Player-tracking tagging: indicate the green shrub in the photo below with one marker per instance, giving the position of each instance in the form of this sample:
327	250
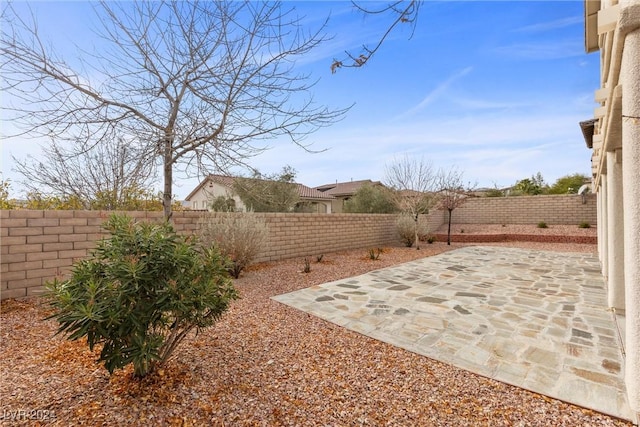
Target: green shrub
584	225
238	236
139	294
431	239
542	224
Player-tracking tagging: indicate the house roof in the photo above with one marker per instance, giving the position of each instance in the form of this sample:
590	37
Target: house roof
345	188
305	193
311	193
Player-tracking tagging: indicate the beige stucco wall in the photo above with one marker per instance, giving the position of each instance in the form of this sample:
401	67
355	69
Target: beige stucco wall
205	195
615	162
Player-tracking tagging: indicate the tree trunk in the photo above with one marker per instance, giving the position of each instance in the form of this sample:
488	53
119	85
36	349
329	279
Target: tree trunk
449	228
168	177
416	237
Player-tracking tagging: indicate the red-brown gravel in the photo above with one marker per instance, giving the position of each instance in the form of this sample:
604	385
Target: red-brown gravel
266	364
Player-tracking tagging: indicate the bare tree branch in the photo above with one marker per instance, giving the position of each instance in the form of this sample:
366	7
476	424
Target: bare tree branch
414	183
203	83
402	12
108	173
452	193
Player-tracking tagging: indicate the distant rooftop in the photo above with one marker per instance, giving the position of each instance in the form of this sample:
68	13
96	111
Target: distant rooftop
345	188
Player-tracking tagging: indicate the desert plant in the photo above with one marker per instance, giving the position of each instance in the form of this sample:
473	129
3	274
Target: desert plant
319	258
307	266
405	225
139	294
238	236
584	225
374	254
431	239
542	224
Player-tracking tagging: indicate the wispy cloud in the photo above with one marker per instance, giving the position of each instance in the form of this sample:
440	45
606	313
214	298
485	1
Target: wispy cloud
550	25
486	104
437	92
547	50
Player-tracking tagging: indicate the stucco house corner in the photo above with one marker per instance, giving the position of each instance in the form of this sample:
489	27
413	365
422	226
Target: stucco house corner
214	186
612	28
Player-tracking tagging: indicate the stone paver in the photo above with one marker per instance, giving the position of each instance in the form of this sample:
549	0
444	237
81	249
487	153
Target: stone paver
532	319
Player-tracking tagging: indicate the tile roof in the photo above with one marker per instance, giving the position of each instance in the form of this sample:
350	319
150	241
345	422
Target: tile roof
304	192
345	188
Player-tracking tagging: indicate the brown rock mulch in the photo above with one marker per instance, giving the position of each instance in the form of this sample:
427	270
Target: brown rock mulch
263	364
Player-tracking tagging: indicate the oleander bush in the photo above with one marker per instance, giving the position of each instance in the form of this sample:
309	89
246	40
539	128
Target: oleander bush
139	294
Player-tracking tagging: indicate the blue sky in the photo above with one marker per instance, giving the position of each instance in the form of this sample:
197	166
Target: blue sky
495	89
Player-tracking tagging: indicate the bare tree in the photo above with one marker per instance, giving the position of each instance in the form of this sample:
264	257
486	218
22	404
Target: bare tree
203	83
401	12
452	193
413	182
108	175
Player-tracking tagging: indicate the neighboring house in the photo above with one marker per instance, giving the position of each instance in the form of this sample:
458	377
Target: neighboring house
343	191
222	185
613	28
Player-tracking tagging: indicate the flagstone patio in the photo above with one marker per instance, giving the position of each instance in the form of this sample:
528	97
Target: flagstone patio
533	319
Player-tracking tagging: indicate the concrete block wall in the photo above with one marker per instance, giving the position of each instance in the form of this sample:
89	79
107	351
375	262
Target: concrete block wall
301	235
552	209
38	246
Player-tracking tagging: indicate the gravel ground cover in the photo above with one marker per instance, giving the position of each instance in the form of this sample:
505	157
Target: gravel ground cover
265	364
551	230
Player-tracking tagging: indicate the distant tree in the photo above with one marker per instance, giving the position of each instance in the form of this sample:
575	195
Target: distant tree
531	186
39	201
568	184
199	83
133	200
269	193
5	202
223	204
494	192
371	199
400	12
413	183
452	195
113	175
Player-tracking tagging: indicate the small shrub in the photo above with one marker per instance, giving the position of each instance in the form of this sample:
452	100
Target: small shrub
462	231
504	225
542	224
139	294
319	258
307	266
406	227
374	254
584	225
238	236
431	239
